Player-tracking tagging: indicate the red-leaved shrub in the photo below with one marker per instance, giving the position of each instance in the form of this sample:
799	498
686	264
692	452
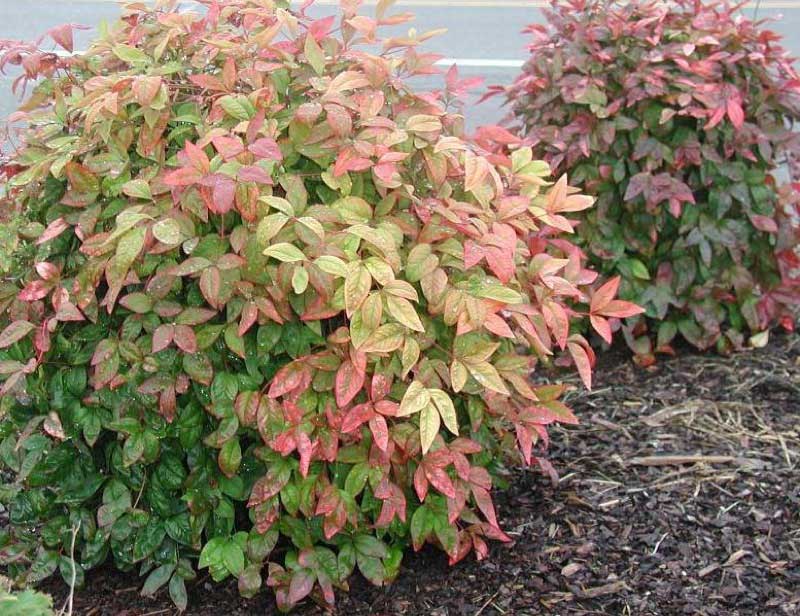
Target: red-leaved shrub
675	116
259	294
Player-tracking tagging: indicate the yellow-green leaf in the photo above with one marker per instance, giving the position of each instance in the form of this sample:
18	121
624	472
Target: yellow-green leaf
372	310
444	405
429	424
414	400
280	204
129	54
269	226
299	279
410	355
353	210
283	251
313	224
385	339
458	375
403	310
139	189
499	293
380	270
401	288
356	288
168	232
332	265
314	54
486	374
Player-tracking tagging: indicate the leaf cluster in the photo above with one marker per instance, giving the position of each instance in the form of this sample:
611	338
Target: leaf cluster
676	116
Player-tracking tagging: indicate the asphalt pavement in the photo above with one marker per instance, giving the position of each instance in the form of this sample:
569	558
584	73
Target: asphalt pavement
483	36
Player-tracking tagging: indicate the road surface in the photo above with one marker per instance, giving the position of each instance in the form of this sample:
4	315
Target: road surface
483	36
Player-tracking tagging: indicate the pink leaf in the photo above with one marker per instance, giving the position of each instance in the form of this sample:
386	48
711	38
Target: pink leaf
266	148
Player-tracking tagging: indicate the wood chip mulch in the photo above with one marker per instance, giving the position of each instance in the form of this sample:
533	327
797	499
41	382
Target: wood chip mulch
679	494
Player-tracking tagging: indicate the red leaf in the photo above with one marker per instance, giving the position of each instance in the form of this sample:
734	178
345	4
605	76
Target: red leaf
287	379
525	441
228	147
301	586
266	148
63	36
197	157
602	327
15	332
582	363
348	160
484	501
735	113
211	286
764	223
185	339
620	309
53	230
380	432
349	381
34	291
209	82
163	337
357	416
498	326
604	295
223	192
498	134
420	483
254	173
185	176
248	318
304	449
440	480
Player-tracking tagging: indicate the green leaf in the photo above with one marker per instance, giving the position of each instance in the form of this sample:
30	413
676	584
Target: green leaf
157	578
233	558
168	232
138	189
230	457
131	55
148	539
357	478
314	54
177	592
236	107
211	555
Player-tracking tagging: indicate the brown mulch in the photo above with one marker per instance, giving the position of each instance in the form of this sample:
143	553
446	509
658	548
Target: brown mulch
679	494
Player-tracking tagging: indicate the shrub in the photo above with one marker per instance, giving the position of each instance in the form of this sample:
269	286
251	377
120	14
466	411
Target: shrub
674	115
262	294
24	603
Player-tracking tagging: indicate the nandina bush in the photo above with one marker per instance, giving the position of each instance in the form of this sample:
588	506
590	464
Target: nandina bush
675	116
263	306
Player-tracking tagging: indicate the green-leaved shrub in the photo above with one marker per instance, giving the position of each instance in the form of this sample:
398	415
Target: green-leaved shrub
262	294
675	115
